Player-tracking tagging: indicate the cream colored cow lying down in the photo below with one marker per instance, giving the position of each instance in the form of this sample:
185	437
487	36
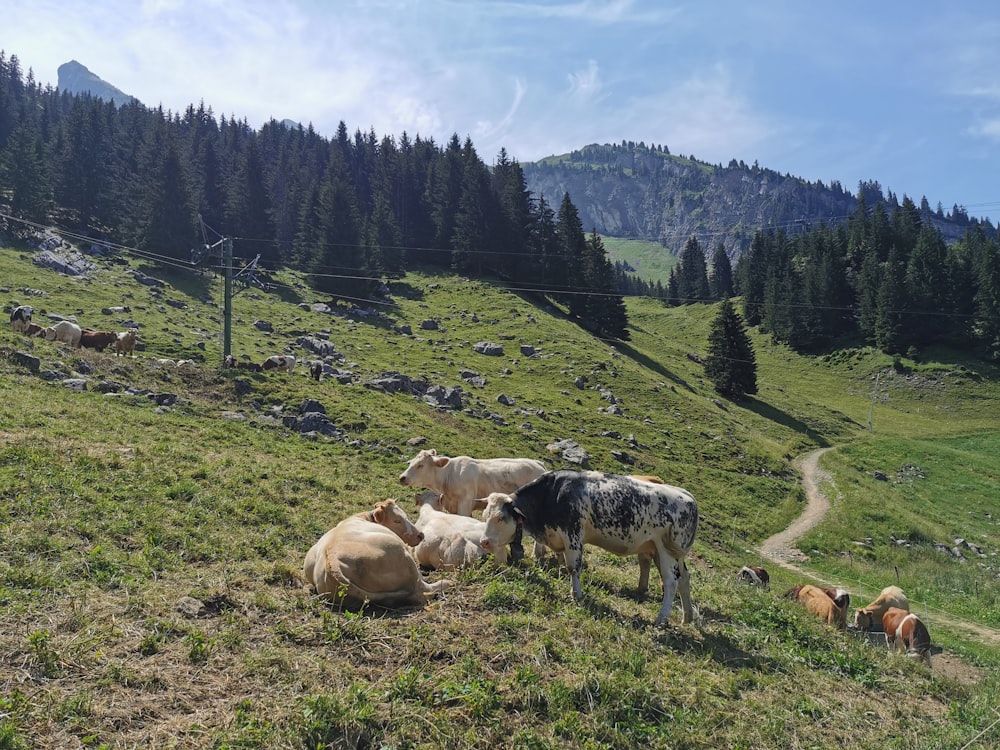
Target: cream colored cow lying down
364	558
450	541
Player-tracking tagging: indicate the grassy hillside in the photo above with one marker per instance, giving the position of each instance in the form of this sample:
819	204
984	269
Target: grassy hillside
652	262
119	501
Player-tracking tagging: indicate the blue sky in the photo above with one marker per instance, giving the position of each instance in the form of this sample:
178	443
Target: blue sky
904	93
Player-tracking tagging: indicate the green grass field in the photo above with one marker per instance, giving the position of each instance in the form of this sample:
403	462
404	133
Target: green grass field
114	508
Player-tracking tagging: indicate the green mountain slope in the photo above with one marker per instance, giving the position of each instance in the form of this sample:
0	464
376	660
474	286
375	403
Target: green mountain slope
157	482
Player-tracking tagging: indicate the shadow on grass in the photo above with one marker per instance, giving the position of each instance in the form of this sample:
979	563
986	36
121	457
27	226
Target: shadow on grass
650	364
767	411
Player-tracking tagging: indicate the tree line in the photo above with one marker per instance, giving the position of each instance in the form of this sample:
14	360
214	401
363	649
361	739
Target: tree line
349	211
885	276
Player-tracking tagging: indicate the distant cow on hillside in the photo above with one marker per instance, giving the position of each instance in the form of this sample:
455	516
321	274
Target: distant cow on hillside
98	340
125	342
20	317
284	362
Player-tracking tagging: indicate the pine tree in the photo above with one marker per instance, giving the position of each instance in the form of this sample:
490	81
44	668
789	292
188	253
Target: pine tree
23	171
605	309
693	276
731	365
721	282
571	249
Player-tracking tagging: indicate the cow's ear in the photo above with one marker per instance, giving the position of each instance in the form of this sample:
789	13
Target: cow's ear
432	452
516	512
379	513
441	461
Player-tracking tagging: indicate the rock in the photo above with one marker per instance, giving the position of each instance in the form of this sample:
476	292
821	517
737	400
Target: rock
527	350
880	476
28	361
505	400
487	348
312	406
191	607
263	325
429	324
75	384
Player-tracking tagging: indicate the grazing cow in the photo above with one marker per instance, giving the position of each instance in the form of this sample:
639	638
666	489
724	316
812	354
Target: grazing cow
450	541
567	509
365	558
20	317
98	340
279	362
65	332
231	361
316	370
33	329
838	596
870	616
754	575
463	480
821	602
905	630
125	342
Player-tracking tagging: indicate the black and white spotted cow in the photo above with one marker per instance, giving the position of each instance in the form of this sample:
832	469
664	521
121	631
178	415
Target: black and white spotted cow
20	317
567	509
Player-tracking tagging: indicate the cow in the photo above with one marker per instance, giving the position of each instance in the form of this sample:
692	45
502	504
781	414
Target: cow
820	602
316	370
464	481
365	558
450	541
279	362
65	332
870	617
567	509
33	329
838	596
754	575
98	340
231	361
905	630
20	317
125	342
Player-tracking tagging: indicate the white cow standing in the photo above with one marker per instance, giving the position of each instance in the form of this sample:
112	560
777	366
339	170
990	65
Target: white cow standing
450	541
65	331
365	558
463	480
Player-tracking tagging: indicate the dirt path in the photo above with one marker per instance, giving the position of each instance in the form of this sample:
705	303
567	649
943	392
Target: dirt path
780	548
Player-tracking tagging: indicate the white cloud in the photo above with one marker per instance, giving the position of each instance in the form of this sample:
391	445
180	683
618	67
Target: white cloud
585	85
986	129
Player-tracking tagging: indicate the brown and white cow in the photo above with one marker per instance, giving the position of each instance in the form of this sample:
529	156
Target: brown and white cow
125	342
33	329
450	541
20	317
284	362
462	480
567	509
65	332
904	630
822	602
365	558
98	340
754	575
869	617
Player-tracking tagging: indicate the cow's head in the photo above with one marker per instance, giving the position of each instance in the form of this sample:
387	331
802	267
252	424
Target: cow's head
863	619
502	518
420	472
390	515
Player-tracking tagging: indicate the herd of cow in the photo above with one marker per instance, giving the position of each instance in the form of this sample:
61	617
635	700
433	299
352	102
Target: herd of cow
888	613
377	555
69	333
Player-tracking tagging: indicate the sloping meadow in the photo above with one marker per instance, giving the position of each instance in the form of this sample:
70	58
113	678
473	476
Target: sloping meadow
155	516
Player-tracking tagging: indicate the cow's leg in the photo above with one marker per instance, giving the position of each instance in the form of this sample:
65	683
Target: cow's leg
645	558
670	574
684	590
573	554
517	545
